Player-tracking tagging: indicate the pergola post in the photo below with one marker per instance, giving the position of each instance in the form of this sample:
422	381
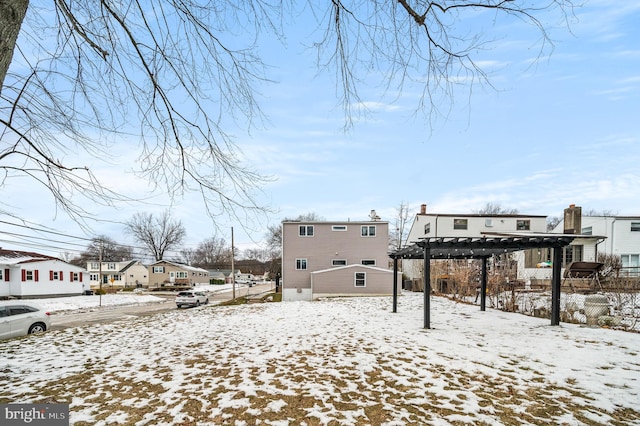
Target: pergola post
555	285
483	286
395	285
427	287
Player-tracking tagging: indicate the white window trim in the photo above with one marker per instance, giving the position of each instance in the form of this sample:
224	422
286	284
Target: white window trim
299	262
333	262
368	260
339	228
368	233
355	279
306	231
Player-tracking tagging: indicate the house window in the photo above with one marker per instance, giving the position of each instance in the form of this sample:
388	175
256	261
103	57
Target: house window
587	231
630	265
369	262
158	269
1	274
28	275
427	228
305	230
459	223
488	223
339	262
301	264
111	266
55	275
339	228
571	254
523	225
360	279
635	226
182	274
368	230
93	277
95	265
117	277
75	276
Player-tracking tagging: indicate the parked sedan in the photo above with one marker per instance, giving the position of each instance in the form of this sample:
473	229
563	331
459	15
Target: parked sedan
191	298
19	318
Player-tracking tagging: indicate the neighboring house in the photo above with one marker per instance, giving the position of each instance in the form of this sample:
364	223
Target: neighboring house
125	274
219	276
164	273
436	225
335	259
610	235
32	275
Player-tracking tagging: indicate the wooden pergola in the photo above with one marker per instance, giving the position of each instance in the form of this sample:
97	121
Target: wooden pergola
481	248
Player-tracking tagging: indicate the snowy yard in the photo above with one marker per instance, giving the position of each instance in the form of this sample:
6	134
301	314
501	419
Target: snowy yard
341	362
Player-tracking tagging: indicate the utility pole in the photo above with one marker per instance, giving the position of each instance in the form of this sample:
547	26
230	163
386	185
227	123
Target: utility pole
233	269
100	273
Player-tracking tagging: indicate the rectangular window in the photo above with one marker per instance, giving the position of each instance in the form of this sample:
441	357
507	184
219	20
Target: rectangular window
571	254
1	276
93	277
28	276
339	228
427	228
54	276
630	265
460	223
488	223
158	269
368	230
587	231
635	226
95	265
523	224
305	230
370	262
182	274
117	277
111	266
339	262
360	279
301	264
75	276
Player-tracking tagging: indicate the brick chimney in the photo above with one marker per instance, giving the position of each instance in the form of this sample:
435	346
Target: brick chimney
423	209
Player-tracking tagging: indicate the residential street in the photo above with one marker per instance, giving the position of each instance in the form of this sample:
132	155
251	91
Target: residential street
101	314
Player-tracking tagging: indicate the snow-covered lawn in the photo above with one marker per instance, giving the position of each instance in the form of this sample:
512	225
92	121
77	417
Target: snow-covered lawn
344	361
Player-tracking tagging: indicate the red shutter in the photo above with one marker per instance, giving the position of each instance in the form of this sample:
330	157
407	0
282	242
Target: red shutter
80	276
50	275
35	274
24	275
61	278
6	274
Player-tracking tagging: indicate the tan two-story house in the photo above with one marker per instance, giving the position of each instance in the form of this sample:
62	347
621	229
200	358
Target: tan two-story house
321	259
165	273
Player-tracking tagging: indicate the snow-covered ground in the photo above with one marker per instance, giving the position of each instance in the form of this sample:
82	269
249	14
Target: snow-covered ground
347	361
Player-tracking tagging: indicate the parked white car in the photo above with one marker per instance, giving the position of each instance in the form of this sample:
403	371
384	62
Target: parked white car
19	318
191	298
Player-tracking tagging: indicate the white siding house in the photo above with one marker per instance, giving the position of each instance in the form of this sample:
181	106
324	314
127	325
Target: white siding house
435	225
33	275
118	275
621	238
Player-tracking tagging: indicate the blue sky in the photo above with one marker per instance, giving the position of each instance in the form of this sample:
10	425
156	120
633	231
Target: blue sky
562	130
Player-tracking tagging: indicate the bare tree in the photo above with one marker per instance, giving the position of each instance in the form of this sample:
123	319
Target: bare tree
213	253
495	208
105	248
157	234
552	222
176	76
398	234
